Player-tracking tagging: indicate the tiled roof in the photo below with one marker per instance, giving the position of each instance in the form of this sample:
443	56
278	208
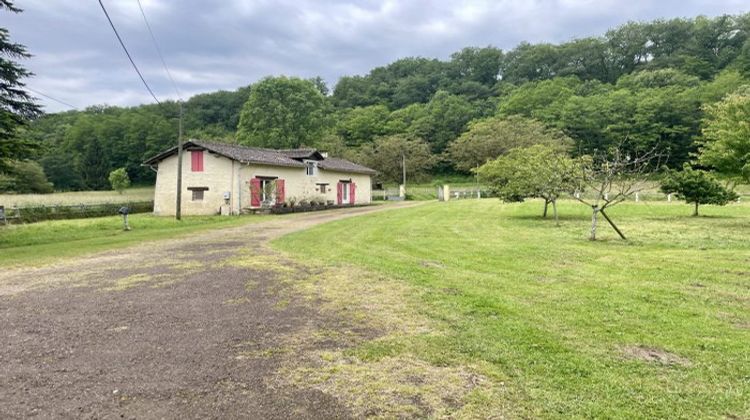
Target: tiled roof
250	154
267	156
341	165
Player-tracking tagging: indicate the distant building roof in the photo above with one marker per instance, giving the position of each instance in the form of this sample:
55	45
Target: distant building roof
257	155
301	153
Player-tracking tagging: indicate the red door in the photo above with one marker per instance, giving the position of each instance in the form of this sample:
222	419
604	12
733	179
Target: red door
280	192
255	192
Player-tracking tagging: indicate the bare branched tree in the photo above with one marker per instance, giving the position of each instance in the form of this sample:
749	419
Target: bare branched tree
611	178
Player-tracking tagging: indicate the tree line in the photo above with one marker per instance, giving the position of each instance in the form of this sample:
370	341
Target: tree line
641	86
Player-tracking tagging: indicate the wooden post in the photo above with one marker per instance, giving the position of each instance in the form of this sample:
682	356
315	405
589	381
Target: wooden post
612	224
403	168
178	203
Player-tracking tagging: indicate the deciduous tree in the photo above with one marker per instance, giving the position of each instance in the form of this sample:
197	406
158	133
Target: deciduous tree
492	137
725	144
539	171
387	154
25	177
611	178
282	112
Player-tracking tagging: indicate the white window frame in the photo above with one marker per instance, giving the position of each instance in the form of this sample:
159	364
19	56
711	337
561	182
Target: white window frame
345	198
311	168
263	183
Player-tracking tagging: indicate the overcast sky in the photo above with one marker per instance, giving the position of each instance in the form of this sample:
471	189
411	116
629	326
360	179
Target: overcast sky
211	44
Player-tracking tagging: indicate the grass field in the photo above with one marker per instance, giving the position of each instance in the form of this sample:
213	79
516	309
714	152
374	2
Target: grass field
39	243
77	197
656	327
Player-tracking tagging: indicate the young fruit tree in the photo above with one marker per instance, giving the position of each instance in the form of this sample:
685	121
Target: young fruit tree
696	187
119	180
611	178
539	171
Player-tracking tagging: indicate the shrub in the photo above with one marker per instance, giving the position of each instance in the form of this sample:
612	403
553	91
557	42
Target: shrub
25	177
696	187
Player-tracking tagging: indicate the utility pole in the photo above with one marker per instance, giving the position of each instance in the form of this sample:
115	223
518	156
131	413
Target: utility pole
178	204
403	166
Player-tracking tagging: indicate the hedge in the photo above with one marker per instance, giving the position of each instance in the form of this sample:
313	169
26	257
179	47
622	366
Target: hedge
34	214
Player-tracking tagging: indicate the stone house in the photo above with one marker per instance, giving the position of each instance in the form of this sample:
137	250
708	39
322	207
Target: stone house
227	178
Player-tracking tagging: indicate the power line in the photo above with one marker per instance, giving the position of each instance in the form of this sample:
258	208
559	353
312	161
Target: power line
51	98
127	52
158	50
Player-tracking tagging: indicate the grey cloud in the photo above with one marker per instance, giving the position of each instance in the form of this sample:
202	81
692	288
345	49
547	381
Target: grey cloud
212	45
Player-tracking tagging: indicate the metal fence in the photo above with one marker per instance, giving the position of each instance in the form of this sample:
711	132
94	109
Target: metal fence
431	193
480	191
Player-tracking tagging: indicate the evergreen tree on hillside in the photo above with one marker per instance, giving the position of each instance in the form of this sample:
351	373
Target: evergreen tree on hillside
16	106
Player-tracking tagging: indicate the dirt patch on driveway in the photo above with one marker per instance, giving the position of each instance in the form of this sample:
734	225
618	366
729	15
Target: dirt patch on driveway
170	329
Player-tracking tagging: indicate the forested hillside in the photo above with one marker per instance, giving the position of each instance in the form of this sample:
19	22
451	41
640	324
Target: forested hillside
641	85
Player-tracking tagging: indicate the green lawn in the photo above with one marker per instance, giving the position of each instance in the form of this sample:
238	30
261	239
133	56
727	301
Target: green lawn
40	243
655	327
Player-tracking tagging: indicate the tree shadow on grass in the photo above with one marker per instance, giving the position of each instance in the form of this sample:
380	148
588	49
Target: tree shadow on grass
551	219
688	217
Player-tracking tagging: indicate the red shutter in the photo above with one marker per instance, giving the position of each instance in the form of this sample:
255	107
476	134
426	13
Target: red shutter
255	192
339	193
196	164
352	189
280	192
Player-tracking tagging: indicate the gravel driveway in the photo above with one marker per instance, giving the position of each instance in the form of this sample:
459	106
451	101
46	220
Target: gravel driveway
157	330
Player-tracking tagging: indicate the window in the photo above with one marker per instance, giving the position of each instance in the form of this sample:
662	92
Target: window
310	168
196	162
197	192
267	192
345	192
322	188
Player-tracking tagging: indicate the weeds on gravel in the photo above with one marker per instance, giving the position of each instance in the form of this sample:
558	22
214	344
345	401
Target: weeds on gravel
354	361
